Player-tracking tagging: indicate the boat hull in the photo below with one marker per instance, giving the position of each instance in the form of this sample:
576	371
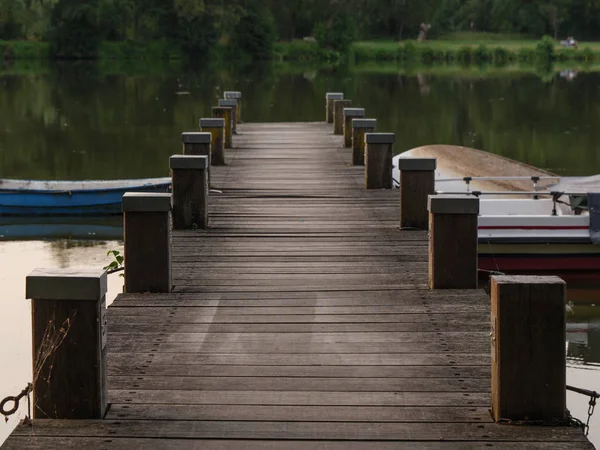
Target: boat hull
572	261
69	203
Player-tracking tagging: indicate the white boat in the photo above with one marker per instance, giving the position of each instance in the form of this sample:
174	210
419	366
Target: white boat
531	221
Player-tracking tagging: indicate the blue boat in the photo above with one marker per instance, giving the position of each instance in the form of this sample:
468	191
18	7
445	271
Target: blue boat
71	198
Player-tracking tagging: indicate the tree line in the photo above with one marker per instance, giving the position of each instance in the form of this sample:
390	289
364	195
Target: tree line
75	28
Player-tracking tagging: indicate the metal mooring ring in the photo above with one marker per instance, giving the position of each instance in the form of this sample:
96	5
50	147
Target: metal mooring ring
11	411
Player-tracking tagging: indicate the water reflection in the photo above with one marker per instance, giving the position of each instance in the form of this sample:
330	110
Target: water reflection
79	121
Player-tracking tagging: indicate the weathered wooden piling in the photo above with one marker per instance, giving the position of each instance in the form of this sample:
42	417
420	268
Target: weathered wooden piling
190	191
198	144
330	97
147	235
231	103
338	115
236	95
349	114
216	127
224	112
69	343
378	160
359	128
417	183
528	348
453	241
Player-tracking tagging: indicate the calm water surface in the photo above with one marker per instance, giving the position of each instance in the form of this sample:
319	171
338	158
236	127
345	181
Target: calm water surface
76	121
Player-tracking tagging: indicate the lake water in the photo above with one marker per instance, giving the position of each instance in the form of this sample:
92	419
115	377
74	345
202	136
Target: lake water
76	121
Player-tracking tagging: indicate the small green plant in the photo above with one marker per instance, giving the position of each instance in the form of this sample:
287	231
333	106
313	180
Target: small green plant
117	265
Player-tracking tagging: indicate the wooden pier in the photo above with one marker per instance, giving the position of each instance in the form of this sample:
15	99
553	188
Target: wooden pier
301	319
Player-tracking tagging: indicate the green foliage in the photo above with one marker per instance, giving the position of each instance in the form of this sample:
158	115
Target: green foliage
74	29
587	54
338	33
409	52
24	50
501	56
118	262
464	54
130	50
482	54
545	49
255	33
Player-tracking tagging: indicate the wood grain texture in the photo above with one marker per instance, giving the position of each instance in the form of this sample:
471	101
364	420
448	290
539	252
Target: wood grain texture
300	319
378	166
338	115
453	251
147	251
190	199
528	350
415	187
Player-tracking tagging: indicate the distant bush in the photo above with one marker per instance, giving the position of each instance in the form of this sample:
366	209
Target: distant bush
24	50
409	52
482	54
545	50
587	55
464	55
501	56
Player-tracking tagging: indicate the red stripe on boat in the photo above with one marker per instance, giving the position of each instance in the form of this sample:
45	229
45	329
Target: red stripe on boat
532	228
550	263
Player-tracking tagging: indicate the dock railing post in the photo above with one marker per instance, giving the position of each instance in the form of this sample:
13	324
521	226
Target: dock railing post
338	115
453	241
528	348
231	103
69	343
359	128
329	99
190	191
349	114
235	95
198	144
417	183
378	160
224	112
216	127
147	235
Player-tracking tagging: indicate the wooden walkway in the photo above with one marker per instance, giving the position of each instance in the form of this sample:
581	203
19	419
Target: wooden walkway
301	320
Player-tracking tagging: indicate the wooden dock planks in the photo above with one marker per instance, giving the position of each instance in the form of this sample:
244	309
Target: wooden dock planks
300	320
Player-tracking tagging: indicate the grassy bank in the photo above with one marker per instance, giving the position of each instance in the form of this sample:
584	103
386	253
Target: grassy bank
461	48
498	52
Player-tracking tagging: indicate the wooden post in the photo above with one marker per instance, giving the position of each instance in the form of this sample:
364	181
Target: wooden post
190	191
231	103
453	241
147	235
237	95
223	112
69	321
216	127
198	144
359	128
378	160
329	98
338	115
528	348
417	183
349	114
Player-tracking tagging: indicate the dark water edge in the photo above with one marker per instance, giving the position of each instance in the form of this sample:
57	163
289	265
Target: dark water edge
85	120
